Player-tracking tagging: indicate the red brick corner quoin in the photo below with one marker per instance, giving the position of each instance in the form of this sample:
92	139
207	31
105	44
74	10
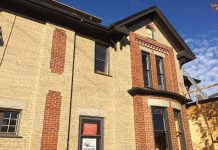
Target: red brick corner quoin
58	50
51	121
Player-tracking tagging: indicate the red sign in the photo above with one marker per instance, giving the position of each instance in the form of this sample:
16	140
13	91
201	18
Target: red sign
89	129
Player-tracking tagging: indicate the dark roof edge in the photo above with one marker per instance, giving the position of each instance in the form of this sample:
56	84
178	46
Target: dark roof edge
149	91
186	53
71	9
202	101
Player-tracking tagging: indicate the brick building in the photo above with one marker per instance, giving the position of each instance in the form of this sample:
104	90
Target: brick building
68	82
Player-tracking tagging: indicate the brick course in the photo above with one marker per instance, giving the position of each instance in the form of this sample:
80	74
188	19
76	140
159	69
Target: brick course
57	60
51	121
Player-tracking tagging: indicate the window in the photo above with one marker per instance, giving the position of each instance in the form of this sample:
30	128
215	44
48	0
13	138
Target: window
150	32
146	69
101	59
179	130
161	129
9	122
91	133
160	73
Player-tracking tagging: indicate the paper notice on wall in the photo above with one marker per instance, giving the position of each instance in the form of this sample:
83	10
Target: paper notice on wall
88	144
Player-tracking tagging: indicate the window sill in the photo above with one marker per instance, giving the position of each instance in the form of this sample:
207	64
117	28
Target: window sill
102	73
9	136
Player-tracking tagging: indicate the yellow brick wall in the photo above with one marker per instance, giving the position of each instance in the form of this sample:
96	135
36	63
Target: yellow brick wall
26	77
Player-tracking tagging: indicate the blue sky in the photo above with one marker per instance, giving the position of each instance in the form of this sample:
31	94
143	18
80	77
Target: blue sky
194	20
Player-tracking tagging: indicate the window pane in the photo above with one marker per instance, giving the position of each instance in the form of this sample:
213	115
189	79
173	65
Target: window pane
100	65
4	128
158	122
14	115
5	122
161	129
160	141
146	78
100	52
13	122
11	129
146	69
145	61
6	115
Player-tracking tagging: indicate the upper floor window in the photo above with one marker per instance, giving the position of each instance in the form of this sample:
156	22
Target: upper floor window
9	122
179	129
146	69
91	133
160	73
161	129
150	32
101	59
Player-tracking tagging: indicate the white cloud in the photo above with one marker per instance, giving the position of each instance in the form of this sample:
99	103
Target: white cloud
205	67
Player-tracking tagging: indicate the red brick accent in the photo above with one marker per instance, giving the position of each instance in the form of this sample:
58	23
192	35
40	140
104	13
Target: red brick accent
139	122
57	60
136	61
186	128
143	124
172	128
142	112
154	71
51	121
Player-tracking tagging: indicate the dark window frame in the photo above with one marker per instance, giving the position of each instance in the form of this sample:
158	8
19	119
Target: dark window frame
166	124
148	70
106	61
181	131
161	74
101	136
17	120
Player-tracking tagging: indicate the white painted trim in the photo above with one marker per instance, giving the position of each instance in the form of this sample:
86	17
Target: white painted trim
176	105
159	54
12	103
158	102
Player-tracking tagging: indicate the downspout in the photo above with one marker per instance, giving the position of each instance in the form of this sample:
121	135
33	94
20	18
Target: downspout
71	94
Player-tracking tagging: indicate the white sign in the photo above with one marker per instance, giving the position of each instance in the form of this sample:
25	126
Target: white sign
88	144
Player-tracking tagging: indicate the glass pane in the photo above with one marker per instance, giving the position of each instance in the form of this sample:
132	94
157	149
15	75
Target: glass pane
5	122
6	114
100	52
145	62
11	129
13	122
158	122
159	64
14	115
146	78
100	65
160	141
4	128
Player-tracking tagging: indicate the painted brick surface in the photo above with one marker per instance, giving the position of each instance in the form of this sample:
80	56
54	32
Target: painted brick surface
51	121
58	51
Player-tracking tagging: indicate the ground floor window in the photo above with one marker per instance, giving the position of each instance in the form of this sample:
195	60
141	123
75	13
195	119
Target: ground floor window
161	129
179	129
9	122
91	133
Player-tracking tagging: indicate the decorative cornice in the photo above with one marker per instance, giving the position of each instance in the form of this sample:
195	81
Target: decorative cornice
148	91
150	43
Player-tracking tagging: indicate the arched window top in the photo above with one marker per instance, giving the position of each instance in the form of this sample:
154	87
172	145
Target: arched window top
150	32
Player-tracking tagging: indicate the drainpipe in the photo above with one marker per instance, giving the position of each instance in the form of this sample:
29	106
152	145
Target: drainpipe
71	94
